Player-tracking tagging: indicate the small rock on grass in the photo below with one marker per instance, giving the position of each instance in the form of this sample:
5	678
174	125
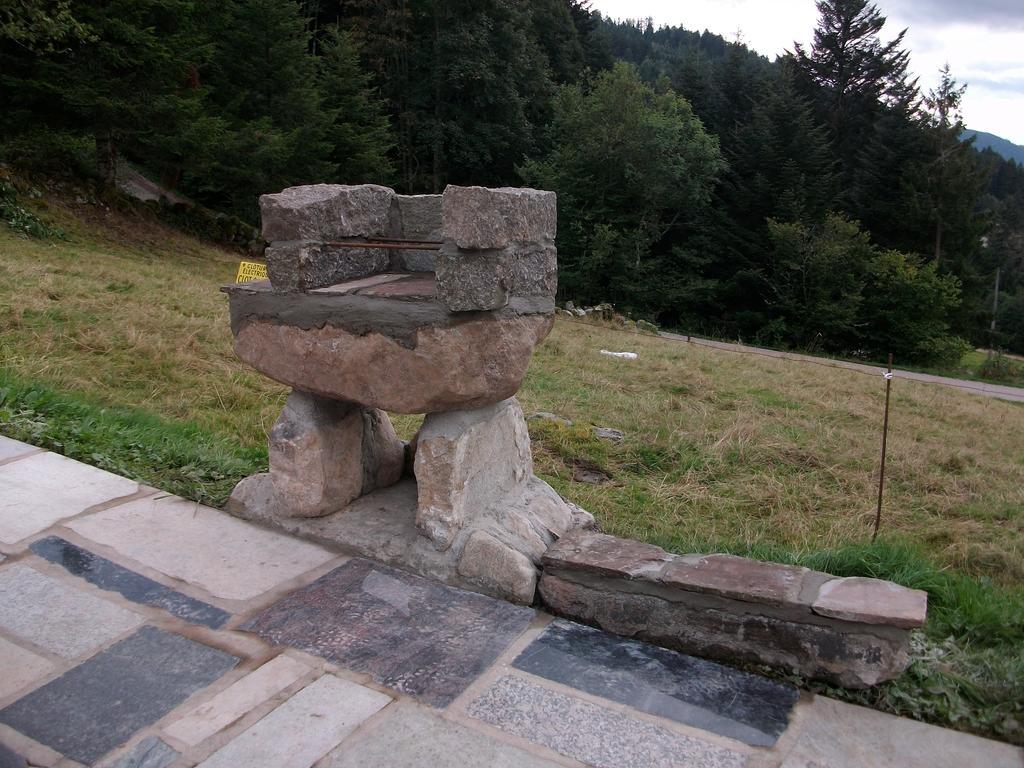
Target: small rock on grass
610	434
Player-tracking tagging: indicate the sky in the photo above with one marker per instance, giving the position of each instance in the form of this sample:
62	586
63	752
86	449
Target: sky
982	40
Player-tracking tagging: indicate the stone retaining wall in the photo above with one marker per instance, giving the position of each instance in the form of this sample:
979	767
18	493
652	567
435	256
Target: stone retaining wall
852	632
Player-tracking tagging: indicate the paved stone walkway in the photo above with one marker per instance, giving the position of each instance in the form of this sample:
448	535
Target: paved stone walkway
140	630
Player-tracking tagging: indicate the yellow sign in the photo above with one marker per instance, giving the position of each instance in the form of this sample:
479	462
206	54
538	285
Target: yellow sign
251	270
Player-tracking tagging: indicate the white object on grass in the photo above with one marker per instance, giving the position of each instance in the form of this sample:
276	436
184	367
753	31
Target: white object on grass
623	355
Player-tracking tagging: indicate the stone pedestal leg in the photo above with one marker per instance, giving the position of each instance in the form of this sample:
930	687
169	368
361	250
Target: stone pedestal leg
324	454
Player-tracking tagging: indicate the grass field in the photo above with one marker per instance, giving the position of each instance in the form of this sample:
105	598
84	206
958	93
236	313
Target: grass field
115	348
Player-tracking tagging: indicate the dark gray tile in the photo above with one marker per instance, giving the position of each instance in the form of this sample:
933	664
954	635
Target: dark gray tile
134	586
688	690
98	705
10	759
417	636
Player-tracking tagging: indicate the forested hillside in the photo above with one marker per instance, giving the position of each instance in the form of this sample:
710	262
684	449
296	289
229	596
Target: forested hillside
820	201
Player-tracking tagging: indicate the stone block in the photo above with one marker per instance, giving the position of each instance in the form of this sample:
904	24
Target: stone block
872	601
499	569
473	281
598	553
466	461
853	659
722	606
477	218
302	265
739	578
21	667
326	453
533	270
326	212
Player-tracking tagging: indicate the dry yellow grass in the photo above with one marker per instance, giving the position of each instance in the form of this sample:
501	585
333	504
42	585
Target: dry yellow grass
722	449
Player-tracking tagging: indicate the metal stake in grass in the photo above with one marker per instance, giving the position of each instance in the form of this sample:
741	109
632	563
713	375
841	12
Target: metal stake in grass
885	436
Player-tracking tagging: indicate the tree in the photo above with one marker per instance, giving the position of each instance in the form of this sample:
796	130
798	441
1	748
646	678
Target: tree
630	163
359	133
852	76
41	25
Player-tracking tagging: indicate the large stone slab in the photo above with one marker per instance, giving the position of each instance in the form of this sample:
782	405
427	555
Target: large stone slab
590	733
345	346
226	557
412	738
326	212
693	691
487	280
303	729
479	218
872	601
133	586
10	449
851	632
839	735
467	461
422	638
98	705
20	667
325	453
419	218
40	490
233	702
63	620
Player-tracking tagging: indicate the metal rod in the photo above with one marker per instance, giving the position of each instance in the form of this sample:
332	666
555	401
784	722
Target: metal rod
405	245
885	436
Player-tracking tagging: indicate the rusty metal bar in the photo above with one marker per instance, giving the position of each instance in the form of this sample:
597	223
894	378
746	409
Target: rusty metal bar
390	243
881	465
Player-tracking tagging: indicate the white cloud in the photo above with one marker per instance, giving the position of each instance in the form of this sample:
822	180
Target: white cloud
982	41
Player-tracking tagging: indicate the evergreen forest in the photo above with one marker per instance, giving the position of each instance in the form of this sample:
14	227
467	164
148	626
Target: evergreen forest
822	201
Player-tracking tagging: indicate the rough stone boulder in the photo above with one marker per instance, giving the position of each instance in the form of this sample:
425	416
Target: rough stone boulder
384	351
324	454
479	218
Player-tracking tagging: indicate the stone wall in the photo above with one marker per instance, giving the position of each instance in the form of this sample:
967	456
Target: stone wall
853	632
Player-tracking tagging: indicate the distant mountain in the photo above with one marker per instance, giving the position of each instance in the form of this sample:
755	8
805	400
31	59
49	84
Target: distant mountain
997	144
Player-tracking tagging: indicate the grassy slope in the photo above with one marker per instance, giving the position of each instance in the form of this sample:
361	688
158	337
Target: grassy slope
115	347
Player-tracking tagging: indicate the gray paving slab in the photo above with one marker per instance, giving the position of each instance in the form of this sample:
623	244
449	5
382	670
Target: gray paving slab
98	705
590	733
303	729
10	449
63	620
694	691
236	700
20	667
134	586
839	735
409	737
40	490
425	639
151	752
226	557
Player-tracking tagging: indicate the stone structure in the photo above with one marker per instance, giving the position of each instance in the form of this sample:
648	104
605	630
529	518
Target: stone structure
414	304
852	632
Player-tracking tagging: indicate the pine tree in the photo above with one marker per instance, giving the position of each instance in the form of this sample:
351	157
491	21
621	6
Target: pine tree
359	131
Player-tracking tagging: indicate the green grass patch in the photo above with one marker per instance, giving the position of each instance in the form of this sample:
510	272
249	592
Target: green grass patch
174	456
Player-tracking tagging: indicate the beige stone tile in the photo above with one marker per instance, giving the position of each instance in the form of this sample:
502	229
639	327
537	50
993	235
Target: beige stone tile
40	490
225	556
20	667
303	729
839	735
235	701
10	448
